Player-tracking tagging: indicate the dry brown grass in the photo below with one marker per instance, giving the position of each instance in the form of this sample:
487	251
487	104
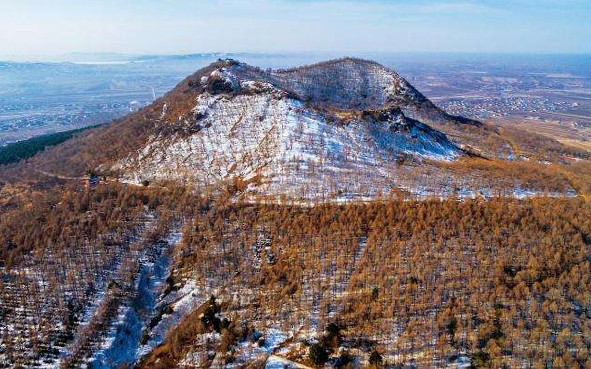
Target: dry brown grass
562	131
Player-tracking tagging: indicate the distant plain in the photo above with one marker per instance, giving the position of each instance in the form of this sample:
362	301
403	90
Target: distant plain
548	94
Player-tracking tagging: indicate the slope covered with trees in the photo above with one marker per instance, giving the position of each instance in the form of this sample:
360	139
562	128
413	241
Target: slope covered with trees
396	258
16	151
500	282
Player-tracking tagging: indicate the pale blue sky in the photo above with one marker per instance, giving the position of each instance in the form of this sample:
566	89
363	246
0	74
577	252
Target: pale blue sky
50	27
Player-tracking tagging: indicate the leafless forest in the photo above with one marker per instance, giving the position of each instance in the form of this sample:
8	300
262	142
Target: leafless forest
237	224
496	282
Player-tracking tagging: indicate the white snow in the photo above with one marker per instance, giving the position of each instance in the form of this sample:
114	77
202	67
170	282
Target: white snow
122	343
285	147
288	145
277	362
182	303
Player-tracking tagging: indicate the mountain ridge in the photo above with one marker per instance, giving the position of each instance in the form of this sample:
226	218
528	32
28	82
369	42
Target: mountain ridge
346	128
235	121
311	83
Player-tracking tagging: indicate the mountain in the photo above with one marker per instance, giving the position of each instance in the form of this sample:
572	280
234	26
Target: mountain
331	126
341	129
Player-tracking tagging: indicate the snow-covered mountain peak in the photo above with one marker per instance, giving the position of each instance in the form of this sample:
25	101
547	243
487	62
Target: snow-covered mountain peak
349	128
334	126
347	83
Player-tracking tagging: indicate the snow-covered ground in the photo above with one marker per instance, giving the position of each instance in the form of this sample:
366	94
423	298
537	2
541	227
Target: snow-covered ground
278	362
122	343
65	290
181	303
290	147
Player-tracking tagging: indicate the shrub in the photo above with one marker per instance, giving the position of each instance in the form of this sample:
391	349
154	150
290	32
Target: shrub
333	336
375	358
480	359
318	354
344	360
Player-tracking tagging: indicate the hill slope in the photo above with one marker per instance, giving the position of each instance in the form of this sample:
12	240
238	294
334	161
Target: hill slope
345	128
286	134
339	126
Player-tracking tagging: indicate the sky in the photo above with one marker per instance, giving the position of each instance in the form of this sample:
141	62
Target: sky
43	27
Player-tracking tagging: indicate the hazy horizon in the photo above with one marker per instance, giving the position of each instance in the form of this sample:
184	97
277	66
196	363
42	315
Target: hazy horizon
114	57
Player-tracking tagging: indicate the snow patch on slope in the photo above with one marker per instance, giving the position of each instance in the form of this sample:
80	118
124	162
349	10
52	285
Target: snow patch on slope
278	138
123	341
